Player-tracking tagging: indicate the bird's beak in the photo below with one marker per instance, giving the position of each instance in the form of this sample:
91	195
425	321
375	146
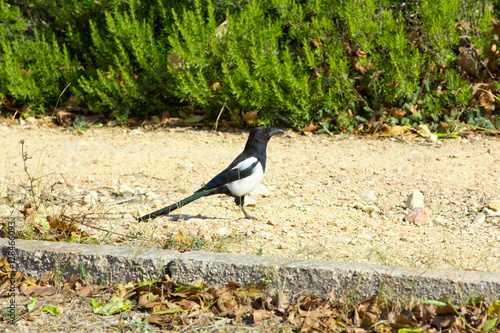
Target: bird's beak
275	131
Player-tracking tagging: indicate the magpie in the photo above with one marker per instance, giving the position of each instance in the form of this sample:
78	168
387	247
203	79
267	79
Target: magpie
240	178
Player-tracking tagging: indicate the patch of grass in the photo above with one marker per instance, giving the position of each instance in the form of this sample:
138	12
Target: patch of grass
182	242
44	212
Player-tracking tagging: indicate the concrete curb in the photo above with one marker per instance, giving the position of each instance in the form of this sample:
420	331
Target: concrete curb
118	264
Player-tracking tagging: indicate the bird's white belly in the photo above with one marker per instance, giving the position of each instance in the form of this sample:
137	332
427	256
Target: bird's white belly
246	185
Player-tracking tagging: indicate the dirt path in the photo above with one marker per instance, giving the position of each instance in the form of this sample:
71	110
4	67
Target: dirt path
312	207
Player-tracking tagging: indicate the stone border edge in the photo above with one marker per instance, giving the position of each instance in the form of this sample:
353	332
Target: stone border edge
119	264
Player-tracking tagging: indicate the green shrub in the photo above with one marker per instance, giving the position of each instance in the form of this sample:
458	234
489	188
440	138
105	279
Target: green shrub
36	71
411	63
133	76
294	61
248	64
10	26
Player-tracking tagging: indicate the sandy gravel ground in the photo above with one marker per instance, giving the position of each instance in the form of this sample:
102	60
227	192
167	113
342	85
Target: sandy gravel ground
311	205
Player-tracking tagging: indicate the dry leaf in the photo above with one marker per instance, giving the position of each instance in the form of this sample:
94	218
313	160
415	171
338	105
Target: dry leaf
63	226
5	263
88	290
43	291
423	131
397	113
467	63
282	302
45	278
29	289
157	319
254	290
216	85
311	127
443	322
250	116
259	315
65	118
396	130
27	210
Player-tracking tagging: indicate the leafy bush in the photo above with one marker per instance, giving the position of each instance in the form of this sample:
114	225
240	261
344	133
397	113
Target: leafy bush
419	56
36	70
249	63
133	76
292	62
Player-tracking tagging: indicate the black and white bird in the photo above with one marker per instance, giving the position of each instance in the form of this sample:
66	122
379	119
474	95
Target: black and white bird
241	177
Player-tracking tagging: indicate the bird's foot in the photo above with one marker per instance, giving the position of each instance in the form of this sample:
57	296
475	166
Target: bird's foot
246	214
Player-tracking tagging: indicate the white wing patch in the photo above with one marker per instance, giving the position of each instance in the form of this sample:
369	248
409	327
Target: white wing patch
246	185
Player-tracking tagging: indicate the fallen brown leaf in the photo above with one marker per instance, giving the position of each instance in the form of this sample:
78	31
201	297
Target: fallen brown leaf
250	116
282	302
259	315
43	291
254	290
88	290
311	127
65	118
397	113
45	278
443	322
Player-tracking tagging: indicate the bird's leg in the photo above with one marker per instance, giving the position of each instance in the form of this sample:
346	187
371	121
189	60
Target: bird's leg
240	201
246	215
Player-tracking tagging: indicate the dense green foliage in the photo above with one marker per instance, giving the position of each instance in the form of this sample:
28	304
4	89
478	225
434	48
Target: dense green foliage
295	62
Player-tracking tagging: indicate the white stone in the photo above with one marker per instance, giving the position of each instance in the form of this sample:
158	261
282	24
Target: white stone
123	190
415	199
186	165
151	196
260	190
139	191
250	202
494	205
479	219
136	132
222	231
91	199
368	195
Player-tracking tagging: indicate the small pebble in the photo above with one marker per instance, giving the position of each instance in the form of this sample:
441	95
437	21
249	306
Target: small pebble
151	196
123	190
341	180
91	199
494	205
250	202
417	216
139	191
368	195
479	219
260	190
222	231
186	165
415	199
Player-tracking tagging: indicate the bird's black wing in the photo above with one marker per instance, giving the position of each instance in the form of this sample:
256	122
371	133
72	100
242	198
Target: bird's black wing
240	168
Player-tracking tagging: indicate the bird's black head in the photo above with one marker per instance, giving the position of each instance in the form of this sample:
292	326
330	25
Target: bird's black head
263	134
257	143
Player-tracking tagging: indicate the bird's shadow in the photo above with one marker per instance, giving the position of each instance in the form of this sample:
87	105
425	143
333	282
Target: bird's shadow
176	217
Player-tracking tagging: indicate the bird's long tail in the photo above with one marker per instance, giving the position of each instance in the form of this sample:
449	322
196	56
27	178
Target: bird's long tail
172	207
